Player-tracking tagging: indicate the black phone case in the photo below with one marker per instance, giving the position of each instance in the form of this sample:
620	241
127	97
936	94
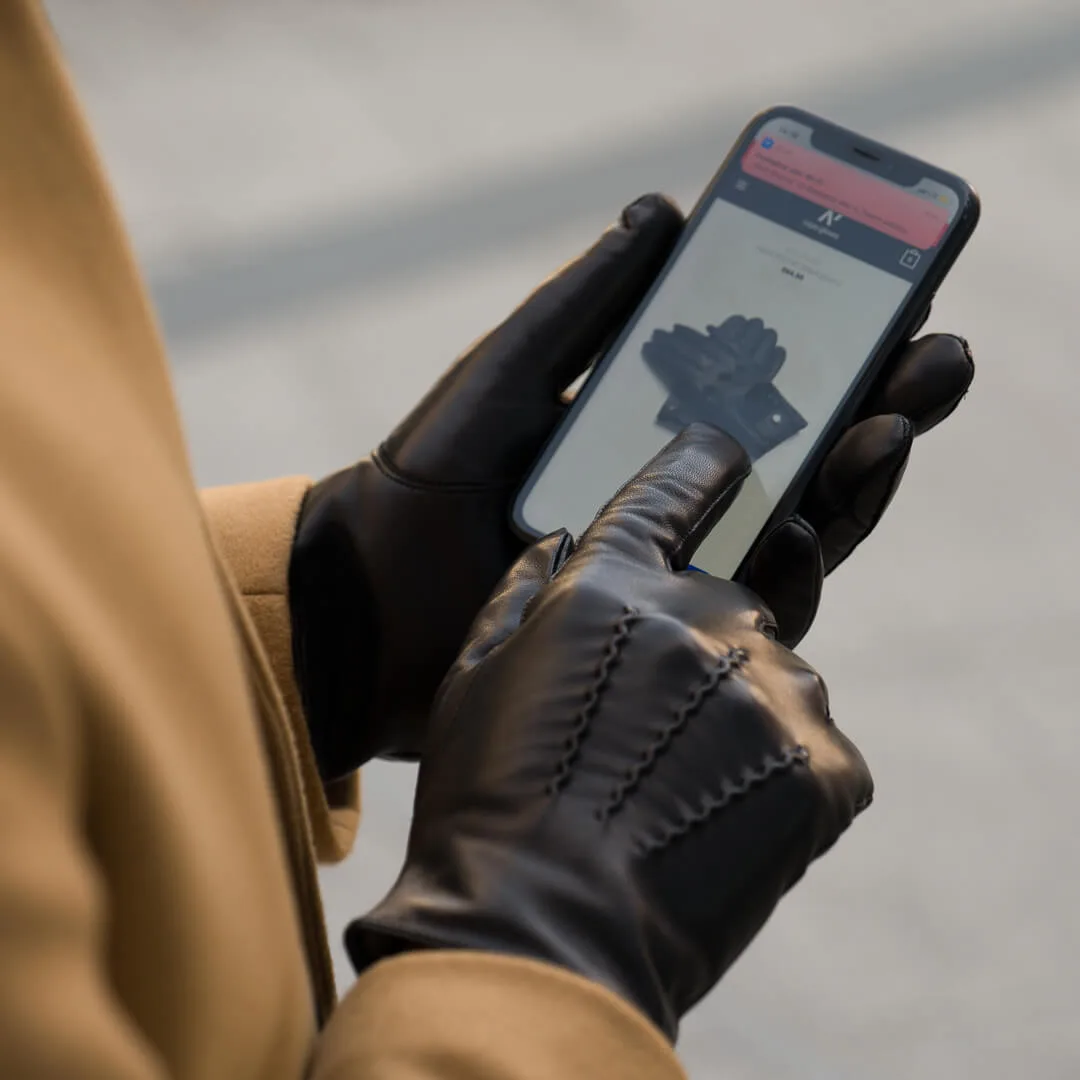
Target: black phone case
675	357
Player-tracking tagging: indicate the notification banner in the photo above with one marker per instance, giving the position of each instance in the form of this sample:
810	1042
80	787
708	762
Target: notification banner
846	191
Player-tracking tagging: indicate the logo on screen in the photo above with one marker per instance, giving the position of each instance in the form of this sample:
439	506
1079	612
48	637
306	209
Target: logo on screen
767	143
830	218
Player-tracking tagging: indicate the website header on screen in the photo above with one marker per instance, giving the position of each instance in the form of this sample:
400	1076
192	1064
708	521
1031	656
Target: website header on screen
846	191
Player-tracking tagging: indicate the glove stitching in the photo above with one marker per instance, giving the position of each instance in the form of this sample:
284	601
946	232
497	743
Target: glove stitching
392	473
608	660
730	791
731	661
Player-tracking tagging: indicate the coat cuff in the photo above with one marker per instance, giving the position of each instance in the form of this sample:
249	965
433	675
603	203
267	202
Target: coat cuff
254	525
430	1015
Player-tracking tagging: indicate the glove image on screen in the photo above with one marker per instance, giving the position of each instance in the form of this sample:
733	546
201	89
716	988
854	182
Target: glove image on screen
724	378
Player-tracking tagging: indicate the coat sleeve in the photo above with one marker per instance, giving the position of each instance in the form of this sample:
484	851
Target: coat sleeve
425	1016
253	526
442	1015
63	1012
58	1014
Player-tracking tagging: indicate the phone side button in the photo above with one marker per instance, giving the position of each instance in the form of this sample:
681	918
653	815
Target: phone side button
919	321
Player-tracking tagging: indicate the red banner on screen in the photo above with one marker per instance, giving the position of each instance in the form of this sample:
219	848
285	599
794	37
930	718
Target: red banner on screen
847	191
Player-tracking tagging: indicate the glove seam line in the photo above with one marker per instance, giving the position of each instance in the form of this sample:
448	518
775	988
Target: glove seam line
723	668
608	661
395	475
730	791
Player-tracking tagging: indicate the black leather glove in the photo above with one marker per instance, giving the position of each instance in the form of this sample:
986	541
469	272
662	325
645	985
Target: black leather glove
754	349
625	771
394	556
723	378
740	352
857	480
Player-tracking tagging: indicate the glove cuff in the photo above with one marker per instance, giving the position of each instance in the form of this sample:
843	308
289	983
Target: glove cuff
540	912
334	629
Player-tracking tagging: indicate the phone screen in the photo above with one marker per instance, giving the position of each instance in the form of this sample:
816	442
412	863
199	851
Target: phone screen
790	275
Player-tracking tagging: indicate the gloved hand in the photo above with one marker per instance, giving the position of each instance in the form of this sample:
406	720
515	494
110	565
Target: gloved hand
625	771
394	556
857	480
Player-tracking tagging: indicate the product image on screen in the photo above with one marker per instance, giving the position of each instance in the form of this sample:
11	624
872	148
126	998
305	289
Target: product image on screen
793	270
724	377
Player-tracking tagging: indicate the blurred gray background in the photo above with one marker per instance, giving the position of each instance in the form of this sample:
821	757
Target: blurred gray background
331	199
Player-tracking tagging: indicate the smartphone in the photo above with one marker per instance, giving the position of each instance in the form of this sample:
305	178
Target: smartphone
812	255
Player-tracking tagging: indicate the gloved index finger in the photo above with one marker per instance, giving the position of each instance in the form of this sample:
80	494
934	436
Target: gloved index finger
662	514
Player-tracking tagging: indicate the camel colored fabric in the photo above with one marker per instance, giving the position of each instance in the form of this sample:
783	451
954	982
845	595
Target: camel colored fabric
159	908
513	1020
254	526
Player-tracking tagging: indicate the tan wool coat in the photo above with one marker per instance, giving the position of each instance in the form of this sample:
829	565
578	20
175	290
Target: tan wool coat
160	813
